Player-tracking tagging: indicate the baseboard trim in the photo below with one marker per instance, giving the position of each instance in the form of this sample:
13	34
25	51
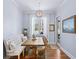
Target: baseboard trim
66	52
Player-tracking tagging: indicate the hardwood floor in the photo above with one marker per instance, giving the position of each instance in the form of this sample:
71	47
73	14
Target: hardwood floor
56	54
50	53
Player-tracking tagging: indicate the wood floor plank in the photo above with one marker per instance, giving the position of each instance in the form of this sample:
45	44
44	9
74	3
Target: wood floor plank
50	53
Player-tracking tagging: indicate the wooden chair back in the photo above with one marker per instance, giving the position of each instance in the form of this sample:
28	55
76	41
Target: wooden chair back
45	40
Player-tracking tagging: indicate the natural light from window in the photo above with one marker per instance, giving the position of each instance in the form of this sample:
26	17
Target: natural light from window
39	25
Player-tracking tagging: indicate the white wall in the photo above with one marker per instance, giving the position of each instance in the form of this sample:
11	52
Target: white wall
68	40
12	19
51	35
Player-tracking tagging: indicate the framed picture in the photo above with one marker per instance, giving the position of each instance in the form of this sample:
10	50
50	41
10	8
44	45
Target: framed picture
51	27
69	25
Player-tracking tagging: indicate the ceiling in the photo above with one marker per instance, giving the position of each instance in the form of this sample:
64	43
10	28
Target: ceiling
34	4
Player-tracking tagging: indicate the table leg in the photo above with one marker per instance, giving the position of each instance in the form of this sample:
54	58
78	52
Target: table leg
35	52
23	53
18	56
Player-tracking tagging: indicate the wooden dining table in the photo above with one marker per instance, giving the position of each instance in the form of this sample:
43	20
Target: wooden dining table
35	43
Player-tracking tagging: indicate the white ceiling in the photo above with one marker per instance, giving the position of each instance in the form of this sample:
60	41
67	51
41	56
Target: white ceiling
44	4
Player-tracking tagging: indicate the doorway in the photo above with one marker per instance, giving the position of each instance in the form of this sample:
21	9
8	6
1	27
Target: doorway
58	29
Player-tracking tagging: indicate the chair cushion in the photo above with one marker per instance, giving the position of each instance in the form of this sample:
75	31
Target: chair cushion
7	44
12	45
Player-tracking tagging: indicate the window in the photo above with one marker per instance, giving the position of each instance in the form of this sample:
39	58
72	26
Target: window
38	25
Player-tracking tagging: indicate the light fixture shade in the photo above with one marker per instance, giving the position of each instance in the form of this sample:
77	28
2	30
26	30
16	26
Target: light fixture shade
39	13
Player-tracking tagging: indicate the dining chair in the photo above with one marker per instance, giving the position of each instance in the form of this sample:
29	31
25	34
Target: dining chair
41	49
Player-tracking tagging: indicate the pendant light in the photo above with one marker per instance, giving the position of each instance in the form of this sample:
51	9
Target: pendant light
39	12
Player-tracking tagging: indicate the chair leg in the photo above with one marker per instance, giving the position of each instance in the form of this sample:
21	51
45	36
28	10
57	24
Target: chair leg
18	56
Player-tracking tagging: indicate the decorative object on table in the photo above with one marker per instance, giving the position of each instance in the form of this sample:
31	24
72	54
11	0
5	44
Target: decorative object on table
25	31
69	25
34	38
51	27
